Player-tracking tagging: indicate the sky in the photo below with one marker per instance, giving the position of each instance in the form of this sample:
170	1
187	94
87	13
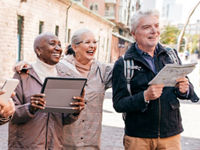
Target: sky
187	6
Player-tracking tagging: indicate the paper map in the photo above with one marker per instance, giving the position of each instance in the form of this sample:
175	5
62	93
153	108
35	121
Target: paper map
171	72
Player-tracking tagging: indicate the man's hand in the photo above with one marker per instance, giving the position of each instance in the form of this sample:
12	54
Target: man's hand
183	85
153	92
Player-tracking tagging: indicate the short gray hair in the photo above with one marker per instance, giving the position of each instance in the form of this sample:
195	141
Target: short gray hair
139	14
76	37
40	37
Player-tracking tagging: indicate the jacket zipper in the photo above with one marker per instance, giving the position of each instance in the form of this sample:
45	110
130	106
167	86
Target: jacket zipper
159	116
159	102
47	124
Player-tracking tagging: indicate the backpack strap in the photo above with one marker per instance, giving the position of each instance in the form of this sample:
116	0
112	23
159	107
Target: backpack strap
128	72
173	55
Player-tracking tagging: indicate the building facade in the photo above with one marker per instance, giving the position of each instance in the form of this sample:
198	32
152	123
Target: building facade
22	20
119	12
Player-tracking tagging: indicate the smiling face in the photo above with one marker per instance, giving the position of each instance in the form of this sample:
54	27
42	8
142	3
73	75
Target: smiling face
49	49
147	33
85	49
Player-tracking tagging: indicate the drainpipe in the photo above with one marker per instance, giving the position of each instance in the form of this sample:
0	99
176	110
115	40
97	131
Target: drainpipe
66	22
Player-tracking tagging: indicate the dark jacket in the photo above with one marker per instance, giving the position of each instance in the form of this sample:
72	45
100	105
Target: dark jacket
161	117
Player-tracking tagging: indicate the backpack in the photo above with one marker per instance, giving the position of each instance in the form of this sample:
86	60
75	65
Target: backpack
129	68
129	65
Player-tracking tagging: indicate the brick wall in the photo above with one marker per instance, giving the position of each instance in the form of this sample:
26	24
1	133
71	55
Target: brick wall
52	13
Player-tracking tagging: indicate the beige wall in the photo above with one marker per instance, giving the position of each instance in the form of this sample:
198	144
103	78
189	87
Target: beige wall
52	13
102	30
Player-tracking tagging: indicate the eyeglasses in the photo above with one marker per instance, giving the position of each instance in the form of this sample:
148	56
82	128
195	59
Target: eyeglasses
87	42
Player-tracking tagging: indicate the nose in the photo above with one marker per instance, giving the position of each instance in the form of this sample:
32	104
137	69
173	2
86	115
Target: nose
153	30
92	44
58	47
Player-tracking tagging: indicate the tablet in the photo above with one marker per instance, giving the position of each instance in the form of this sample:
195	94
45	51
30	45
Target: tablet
9	87
59	93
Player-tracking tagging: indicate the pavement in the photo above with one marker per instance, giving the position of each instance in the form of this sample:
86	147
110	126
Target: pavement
113	125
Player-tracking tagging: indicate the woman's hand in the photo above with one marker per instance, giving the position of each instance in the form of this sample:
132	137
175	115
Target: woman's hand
18	67
7	107
2	102
37	102
79	105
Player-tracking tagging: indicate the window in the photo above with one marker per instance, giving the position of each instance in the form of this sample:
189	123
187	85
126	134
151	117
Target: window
57	30
94	7
41	26
107	7
91	7
20	28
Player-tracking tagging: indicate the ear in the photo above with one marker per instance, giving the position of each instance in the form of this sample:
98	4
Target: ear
74	47
38	51
133	34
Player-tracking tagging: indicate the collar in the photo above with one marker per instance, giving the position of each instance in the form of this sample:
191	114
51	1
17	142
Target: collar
44	70
142	53
44	65
132	52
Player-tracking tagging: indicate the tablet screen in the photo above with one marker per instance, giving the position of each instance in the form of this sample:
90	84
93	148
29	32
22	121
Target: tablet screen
59	93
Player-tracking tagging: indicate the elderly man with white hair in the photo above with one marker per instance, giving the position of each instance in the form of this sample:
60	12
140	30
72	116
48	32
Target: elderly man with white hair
153	119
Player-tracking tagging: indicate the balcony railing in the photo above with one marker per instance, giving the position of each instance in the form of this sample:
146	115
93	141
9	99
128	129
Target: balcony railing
110	14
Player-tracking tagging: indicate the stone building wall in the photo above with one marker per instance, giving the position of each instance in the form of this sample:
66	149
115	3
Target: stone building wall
52	13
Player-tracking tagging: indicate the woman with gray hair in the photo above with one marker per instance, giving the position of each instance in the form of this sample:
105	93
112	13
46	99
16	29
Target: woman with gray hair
85	133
